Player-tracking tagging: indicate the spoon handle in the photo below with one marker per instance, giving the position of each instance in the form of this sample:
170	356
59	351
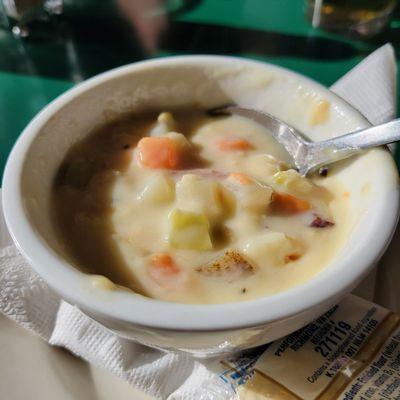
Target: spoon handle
339	148
365	138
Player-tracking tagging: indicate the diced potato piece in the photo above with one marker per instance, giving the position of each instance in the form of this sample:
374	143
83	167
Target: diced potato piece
320	112
248	224
189	230
203	195
273	248
228	201
182	143
254	197
293	182
165	123
167	119
160	189
231	266
101	282
263	167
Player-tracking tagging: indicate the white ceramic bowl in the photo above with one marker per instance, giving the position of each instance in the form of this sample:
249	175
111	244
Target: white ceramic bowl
208	81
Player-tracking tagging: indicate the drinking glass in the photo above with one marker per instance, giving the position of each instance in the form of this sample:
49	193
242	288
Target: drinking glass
363	18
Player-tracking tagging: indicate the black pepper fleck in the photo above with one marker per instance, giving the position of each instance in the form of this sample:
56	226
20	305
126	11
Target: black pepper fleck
244	290
126	146
323	171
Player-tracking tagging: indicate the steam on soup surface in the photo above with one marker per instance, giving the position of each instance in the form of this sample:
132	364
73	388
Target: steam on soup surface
194	209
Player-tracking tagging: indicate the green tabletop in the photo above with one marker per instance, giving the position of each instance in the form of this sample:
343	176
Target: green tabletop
92	36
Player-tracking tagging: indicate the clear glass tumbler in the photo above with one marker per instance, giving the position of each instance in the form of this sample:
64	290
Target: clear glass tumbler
363	18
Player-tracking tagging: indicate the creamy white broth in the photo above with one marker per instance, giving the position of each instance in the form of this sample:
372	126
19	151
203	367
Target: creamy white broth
237	242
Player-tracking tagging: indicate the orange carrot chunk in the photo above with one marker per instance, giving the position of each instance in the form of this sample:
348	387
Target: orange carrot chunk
291	257
287	204
158	153
163	270
234	144
243	179
164	262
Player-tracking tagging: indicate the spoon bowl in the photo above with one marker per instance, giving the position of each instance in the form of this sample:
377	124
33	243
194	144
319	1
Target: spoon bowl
308	156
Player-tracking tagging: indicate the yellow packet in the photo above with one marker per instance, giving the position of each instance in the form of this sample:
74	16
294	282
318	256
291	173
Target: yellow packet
350	353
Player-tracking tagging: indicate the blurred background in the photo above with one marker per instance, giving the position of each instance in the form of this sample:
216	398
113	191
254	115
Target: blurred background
47	46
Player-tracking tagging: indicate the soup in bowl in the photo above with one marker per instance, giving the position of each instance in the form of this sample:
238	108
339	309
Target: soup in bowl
192	232
211	215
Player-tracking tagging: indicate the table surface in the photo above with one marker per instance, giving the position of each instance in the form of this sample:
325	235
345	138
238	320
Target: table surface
50	373
91	37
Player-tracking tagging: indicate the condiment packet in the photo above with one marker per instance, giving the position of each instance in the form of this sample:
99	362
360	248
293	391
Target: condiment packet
352	352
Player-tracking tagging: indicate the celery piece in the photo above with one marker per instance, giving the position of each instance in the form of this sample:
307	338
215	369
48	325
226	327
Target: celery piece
189	230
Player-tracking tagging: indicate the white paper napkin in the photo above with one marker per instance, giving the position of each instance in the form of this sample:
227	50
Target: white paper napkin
371	86
25	297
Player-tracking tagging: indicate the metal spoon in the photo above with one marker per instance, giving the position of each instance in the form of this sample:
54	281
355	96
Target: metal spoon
309	156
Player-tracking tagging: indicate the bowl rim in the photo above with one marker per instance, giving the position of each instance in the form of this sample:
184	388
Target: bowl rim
75	287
